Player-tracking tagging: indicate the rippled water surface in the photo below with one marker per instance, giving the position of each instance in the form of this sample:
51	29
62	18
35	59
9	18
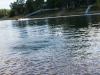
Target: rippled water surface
51	46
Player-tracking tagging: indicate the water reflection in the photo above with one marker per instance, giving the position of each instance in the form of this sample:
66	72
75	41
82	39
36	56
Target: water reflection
77	22
24	23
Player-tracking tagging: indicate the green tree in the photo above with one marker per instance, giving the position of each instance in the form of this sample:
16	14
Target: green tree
39	4
98	1
12	13
59	3
30	6
50	3
16	8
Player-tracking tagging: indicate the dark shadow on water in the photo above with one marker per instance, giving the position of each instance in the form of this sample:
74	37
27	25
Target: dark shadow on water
65	22
78	22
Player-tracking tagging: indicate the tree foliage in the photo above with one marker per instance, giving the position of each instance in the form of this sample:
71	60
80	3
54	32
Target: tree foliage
39	4
20	6
68	3
30	6
16	9
98	2
4	12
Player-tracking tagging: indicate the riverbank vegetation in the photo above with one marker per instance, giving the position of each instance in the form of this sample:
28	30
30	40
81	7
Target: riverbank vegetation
22	7
4	12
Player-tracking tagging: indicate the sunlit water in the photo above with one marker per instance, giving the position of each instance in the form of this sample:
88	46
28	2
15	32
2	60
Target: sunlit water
53	46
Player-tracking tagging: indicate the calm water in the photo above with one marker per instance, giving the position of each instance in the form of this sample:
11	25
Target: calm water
52	46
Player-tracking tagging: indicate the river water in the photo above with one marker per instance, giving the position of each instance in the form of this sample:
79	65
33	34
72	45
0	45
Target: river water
51	46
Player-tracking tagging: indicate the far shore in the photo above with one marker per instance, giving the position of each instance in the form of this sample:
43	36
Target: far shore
61	13
53	14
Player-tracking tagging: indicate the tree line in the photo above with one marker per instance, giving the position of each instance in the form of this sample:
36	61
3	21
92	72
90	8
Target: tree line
33	5
4	12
